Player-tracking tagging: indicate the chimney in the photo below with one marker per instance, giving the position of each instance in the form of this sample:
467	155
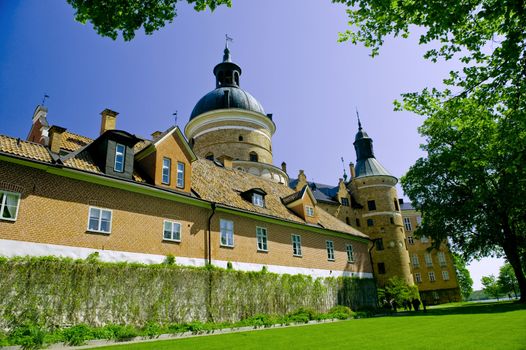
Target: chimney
226	160
108	121
156	135
284	167
353	171
55	138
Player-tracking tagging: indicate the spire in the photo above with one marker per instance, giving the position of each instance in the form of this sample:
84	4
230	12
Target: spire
227	72
226	55
359	123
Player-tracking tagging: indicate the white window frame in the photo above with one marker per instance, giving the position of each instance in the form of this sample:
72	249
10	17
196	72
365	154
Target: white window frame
226	232
350	253
166	171
118	154
429	259
3	204
98	230
431	275
441	259
309	211
180	174
262	239
258	200
329	245
407	224
415	261
172	230
418	277
445	275
410	240
296	245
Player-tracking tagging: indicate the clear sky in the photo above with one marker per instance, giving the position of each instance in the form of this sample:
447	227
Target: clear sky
291	61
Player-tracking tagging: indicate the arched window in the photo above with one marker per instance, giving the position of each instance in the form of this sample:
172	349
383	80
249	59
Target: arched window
220	77
253	156
209	156
240	138
236	78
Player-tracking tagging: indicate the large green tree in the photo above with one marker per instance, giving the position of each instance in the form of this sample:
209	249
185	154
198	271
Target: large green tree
465	282
109	17
491	286
471	185
507	280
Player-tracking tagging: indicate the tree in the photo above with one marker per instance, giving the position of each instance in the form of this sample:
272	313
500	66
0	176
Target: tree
463	277
398	290
507	280
491	286
471	185
109	17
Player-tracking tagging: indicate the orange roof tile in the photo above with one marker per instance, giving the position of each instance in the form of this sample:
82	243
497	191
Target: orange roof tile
25	149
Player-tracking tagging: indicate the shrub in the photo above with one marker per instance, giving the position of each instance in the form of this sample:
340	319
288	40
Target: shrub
152	330
340	312
93	257
28	336
119	332
77	335
175	328
302	315
229	265
195	327
169	260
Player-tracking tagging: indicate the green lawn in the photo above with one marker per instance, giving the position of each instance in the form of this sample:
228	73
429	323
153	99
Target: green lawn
456	326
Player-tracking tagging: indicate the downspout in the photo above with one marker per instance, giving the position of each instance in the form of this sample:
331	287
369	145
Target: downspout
374	276
209	238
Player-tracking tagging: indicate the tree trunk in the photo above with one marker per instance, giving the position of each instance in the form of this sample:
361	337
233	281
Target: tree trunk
509	245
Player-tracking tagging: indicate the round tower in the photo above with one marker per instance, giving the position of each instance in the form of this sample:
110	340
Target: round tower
230	122
378	213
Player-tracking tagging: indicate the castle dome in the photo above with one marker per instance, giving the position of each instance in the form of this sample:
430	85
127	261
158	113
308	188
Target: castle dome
226	97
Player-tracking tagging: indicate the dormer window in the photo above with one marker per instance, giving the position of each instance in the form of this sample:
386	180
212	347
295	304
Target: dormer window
345	201
180	175
257	199
309	210
167	164
119	158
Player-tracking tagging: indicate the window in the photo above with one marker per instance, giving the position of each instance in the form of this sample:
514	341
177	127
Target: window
330	250
391	220
226	228
9	202
180	175
396	205
253	156
410	240
172	231
441	258
429	260
350	253
445	275
345	201
209	156
414	260
99	220
119	158
424	239
240	138
257	199
357	222
309	210
167	164
407	224
296	245
381	268
370	222
261	236
431	276
379	244
418	277
371	205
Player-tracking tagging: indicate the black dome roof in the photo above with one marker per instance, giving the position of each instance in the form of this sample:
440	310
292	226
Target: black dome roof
226	97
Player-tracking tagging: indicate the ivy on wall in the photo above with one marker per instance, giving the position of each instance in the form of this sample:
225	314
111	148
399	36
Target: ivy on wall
58	292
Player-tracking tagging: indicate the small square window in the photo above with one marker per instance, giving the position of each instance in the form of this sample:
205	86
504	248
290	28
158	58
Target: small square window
167	164
371	205
379	244
330	250
410	240
99	220
381	268
350	253
120	151
345	201
226	228
9	202
257	199
180	175
172	231
445	275
431	276
309	210
261	236
415	261
296	245
418	277
370	222
407	224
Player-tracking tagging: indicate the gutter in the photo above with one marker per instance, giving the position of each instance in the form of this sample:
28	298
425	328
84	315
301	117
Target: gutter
209	257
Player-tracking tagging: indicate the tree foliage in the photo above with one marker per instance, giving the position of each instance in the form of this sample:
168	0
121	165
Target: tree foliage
471	185
465	282
507	280
109	17
397	289
491	286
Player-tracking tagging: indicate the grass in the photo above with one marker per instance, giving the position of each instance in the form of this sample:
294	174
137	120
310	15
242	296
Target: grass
455	326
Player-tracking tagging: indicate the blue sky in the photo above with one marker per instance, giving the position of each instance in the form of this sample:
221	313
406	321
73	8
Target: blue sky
291	61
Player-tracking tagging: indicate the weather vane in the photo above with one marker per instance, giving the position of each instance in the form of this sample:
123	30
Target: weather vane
175	117
44	99
227	39
358	116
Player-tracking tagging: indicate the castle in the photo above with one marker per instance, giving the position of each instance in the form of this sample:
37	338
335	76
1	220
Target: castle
212	197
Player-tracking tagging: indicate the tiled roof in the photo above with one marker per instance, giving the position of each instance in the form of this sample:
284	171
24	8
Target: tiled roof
322	192
295	196
224	186
139	146
24	149
72	142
